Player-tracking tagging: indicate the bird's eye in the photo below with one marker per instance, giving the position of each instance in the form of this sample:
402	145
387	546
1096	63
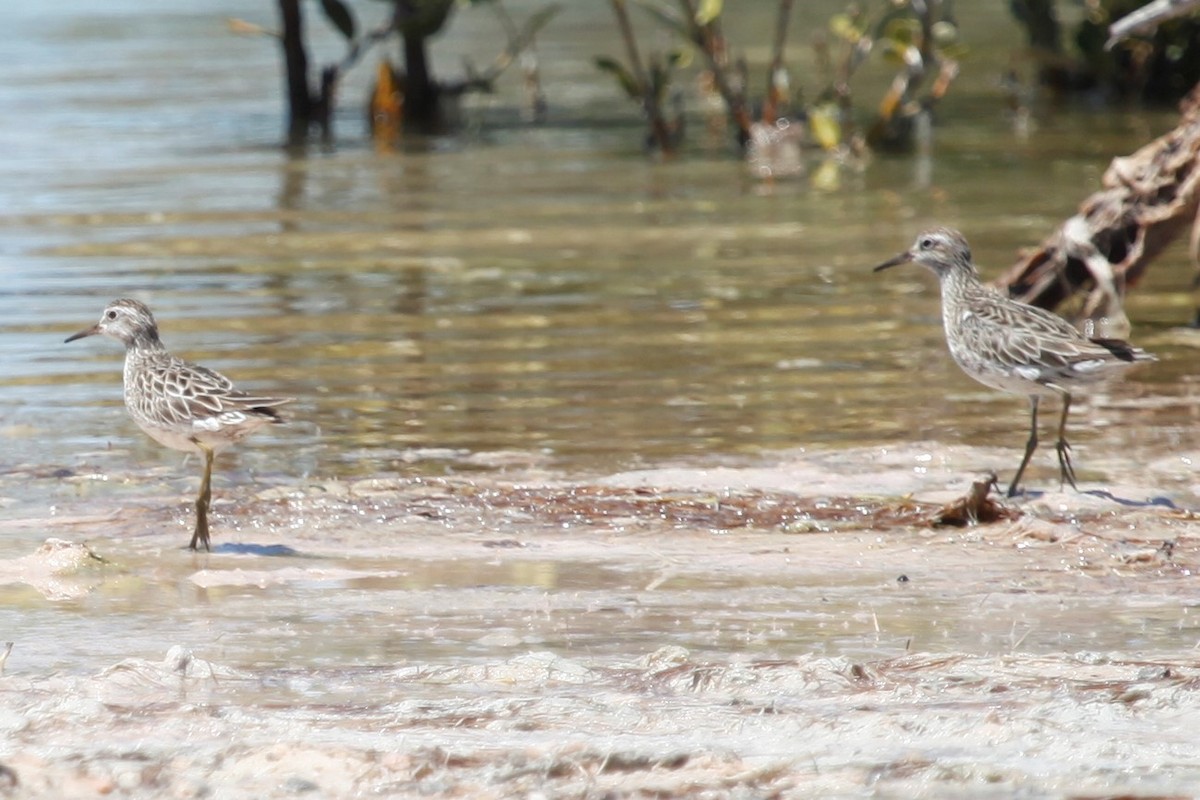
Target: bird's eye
925	243
111	314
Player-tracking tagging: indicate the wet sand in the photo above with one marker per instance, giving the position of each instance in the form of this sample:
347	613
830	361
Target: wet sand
792	628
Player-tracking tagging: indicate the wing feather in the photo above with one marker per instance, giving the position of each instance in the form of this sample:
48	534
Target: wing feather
1032	341
179	392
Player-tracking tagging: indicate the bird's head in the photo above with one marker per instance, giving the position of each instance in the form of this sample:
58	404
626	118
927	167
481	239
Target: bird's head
941	250
125	320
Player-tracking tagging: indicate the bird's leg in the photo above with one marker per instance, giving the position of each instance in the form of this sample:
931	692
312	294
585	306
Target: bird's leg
1066	469
1030	446
203	499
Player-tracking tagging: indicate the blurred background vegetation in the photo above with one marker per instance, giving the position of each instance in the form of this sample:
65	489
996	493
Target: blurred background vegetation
771	113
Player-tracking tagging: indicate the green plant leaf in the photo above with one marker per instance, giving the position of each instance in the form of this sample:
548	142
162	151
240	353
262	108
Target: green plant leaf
708	11
828	176
902	31
825	127
619	71
339	14
426	17
841	26
893	53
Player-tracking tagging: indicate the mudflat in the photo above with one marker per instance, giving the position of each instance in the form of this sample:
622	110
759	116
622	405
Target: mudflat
787	628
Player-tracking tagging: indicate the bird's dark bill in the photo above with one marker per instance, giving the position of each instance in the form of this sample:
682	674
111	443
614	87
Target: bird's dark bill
92	331
903	258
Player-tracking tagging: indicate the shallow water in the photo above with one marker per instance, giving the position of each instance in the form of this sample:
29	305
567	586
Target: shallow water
542	305
515	295
544	290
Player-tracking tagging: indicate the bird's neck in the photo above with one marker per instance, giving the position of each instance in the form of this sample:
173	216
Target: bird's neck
144	342
138	352
960	279
960	286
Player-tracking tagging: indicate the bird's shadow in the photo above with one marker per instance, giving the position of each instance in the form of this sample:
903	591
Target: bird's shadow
1153	502
1104	494
250	549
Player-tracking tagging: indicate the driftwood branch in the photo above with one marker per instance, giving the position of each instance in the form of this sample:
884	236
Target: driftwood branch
1147	19
1149	198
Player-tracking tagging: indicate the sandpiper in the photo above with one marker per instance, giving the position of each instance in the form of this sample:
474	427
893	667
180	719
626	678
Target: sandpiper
179	404
1012	346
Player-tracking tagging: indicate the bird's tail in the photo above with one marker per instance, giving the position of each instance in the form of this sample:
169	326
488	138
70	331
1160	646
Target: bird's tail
1124	350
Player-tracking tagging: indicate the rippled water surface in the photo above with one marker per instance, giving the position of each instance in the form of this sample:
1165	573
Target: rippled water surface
529	294
540	289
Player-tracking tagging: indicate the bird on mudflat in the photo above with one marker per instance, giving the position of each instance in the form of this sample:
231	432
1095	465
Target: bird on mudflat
180	405
1013	346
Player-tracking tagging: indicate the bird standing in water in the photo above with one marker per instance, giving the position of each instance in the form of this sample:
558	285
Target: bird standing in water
1013	346
179	404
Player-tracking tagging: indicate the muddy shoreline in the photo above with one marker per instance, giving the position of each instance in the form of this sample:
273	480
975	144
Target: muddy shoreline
726	631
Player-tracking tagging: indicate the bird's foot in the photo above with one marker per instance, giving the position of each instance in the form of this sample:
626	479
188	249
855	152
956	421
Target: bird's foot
1066	468
200	535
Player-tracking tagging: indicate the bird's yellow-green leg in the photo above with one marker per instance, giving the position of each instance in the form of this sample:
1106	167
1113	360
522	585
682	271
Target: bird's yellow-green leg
203	499
1066	468
1030	446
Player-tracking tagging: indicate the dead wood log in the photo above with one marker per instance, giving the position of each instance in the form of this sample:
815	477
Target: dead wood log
1149	199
